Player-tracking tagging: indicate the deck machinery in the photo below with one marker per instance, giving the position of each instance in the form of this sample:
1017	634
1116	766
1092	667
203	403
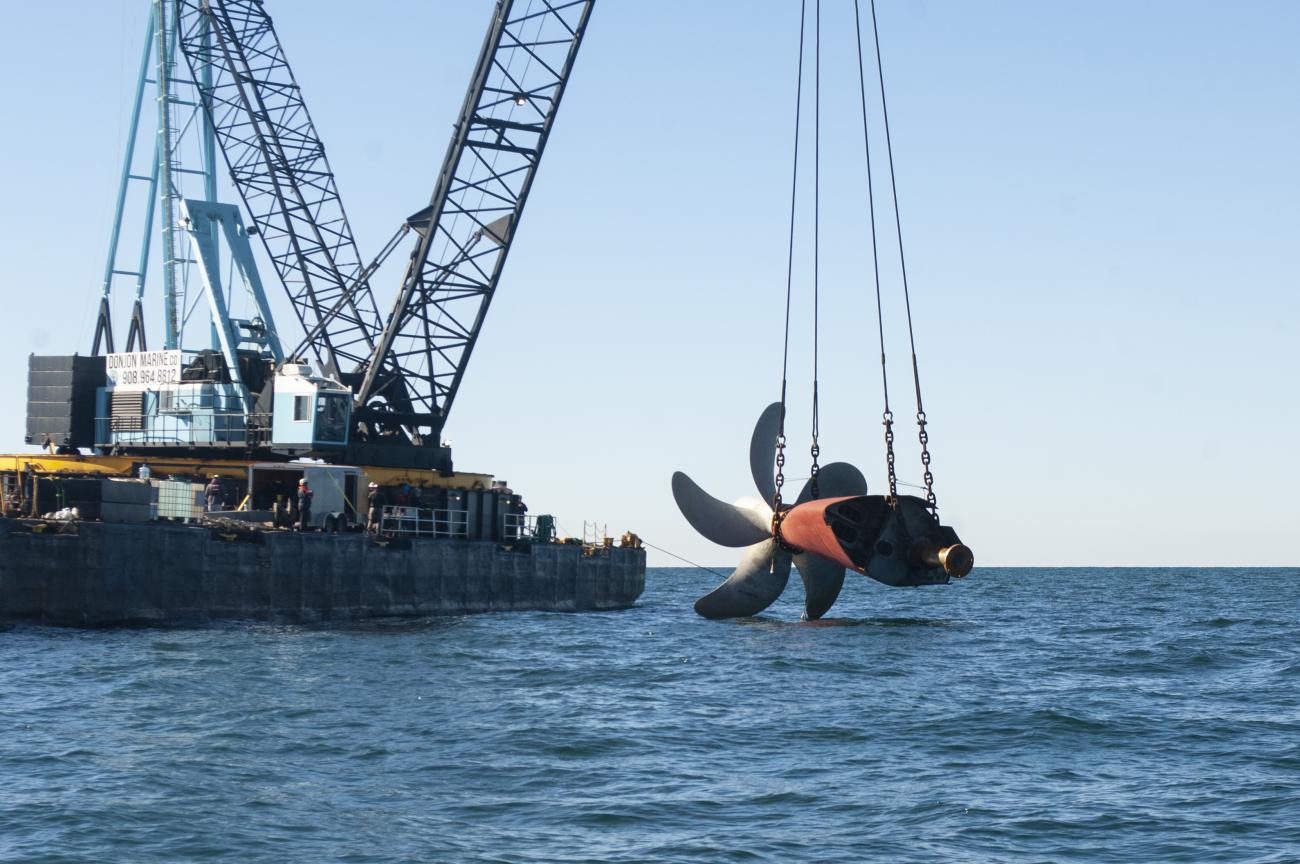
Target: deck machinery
360	387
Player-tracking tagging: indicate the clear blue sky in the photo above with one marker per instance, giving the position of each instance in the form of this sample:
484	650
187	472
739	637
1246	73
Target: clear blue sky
1101	205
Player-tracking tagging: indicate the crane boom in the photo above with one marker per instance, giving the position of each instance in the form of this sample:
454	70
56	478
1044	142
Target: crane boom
278	164
466	231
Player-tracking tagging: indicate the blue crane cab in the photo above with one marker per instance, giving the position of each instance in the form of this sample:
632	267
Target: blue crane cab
309	412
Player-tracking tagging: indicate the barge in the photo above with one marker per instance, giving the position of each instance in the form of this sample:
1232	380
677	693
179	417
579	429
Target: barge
166	486
116	548
97	573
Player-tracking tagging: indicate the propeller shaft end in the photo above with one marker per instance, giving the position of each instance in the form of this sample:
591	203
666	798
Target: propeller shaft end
957	560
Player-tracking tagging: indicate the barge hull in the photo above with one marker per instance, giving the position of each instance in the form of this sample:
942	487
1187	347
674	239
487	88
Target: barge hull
94	574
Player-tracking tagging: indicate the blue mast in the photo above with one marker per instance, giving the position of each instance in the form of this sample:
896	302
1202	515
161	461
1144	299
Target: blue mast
162	179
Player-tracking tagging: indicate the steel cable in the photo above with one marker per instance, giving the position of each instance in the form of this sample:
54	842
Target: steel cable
815	450
789	274
922	434
887	418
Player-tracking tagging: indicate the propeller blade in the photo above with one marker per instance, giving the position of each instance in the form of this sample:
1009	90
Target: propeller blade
723	523
835	480
762	508
762	451
754	585
822	580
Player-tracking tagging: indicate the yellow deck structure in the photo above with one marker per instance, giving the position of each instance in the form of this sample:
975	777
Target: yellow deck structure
46	464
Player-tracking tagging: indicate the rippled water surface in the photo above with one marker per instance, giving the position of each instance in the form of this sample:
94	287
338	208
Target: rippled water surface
1021	715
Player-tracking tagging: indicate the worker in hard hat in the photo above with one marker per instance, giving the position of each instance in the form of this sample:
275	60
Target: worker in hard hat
375	501
304	505
213	494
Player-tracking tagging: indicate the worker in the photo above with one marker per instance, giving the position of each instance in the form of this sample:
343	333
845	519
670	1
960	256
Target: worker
214	494
374	508
304	505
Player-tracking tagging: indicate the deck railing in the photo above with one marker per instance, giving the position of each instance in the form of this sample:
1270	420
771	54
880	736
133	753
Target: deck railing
209	428
423	522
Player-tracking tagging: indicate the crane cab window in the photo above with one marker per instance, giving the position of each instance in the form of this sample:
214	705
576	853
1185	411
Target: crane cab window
332	418
301	405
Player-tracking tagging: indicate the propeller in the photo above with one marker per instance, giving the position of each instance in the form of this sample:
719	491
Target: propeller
763	571
896	543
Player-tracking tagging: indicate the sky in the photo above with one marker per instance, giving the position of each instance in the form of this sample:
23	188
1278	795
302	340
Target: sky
1100	208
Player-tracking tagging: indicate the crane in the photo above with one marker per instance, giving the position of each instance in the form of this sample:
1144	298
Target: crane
406	368
383	385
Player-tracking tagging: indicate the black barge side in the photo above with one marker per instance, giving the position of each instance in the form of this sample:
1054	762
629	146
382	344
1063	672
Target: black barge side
96	573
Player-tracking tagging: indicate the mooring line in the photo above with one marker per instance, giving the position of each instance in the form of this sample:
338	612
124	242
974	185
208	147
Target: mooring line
644	542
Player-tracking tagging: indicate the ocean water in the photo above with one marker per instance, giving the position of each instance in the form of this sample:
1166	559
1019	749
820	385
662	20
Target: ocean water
1020	715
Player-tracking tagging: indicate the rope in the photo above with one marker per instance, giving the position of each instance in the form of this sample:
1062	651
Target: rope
644	542
789	271
887	418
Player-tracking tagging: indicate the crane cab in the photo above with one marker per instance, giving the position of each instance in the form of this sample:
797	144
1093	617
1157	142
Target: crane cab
158	400
309	412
